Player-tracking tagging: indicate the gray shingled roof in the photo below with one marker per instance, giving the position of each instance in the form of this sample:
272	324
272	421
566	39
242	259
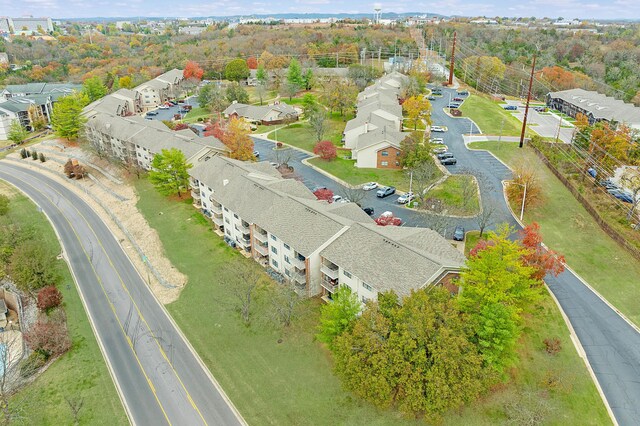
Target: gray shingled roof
383	134
43	88
373	118
393	258
367	108
602	107
258	113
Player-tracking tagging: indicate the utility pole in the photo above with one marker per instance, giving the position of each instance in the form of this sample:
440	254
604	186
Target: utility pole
526	108
453	56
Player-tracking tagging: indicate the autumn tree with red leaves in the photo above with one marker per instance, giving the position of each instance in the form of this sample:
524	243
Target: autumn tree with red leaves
324	194
252	62
49	297
388	220
192	71
216	130
50	335
180	126
545	261
325	150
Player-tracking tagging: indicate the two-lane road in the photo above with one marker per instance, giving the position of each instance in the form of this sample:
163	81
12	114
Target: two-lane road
158	376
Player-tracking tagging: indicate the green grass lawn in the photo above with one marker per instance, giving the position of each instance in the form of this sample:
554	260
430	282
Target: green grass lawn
301	135
452	193
488	114
81	373
347	171
568	228
284	377
195	113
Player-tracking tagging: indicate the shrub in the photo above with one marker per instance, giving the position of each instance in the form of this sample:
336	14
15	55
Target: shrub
33	363
49	335
324	194
34	154
49	297
552	345
325	150
278	144
24	153
42	158
200	119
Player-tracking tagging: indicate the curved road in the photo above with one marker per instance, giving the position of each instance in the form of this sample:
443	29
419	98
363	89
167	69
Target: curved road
158	376
610	343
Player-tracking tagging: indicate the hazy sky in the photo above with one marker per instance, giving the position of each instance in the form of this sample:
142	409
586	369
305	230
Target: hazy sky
602	9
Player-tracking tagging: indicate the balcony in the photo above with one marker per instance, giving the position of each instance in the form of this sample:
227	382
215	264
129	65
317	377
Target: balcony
244	227
196	189
330	285
263	250
196	203
244	242
217	219
299	278
330	271
259	236
299	262
195	195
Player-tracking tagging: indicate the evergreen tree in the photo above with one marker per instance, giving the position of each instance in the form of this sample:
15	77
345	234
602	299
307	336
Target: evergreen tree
17	133
94	89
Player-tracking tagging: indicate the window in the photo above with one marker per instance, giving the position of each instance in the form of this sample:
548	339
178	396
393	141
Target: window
226	209
347	274
274	263
274	238
385	153
397	153
287	247
367	286
384	163
397	163
287	273
235	215
274	250
286	258
226	220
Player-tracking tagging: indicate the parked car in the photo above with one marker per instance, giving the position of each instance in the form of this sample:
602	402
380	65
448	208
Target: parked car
183	111
368	210
174	103
274	164
369	186
463	92
152	113
187	107
406	198
437	141
318	188
343	201
457	99
163	107
448	161
439	129
511	107
256	154
592	172
336	198
458	234
453	106
540	109
432	98
437	92
440	149
385	191
444	155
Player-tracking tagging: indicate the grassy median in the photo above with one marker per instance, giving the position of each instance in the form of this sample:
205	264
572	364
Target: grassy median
489	116
284	377
80	374
568	228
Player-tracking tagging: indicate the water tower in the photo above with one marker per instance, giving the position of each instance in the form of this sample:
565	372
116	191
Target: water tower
377	12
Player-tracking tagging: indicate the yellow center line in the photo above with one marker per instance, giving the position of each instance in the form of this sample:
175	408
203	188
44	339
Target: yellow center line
104	292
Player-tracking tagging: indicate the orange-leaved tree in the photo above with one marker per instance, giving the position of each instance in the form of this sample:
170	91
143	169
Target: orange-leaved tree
193	71
236	138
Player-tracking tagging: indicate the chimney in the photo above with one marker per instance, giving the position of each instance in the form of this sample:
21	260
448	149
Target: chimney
366	126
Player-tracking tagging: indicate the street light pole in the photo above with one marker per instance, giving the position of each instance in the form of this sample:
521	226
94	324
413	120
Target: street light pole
526	108
524	198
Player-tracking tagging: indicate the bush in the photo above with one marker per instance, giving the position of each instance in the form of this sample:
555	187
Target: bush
325	150
24	153
49	297
33	363
42	159
49	335
200	119
552	345
34	154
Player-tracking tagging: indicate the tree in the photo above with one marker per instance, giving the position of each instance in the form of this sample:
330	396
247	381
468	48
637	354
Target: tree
218	101
324	194
362	75
545	261
49	297
294	76
318	122
308	79
4	204
32	267
261	75
416	355
485	217
524	175
216	130
261	91
17	133
388	220
49	335
252	62
34	155
325	150
285	302
338	317
205	95
235	92
93	88
339	95
243	283
418	110
630	179
169	172
68	168
192	71
236	138
236	70
355	195
497	333
424	174
125	82
291	89
67	119
42	158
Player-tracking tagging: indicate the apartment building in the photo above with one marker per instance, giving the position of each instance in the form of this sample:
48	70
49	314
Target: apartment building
276	113
161	89
136	140
123	102
374	135
281	225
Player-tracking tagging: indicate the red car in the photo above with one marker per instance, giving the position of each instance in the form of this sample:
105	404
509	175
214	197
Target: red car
458	99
